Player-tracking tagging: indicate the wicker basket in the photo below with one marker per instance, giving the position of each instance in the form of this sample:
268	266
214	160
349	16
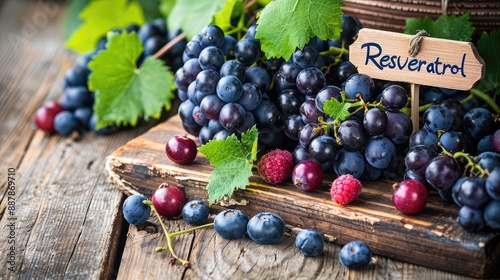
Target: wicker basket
391	14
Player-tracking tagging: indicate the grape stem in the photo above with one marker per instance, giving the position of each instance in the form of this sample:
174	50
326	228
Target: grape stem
486	98
424	107
170	235
473	92
241	28
359	104
169	45
175	233
249	4
471	164
334	51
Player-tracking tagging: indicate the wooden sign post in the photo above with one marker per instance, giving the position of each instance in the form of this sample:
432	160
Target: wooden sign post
426	61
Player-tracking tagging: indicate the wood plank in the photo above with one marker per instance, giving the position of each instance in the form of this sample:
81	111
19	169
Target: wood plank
433	238
140	261
212	257
217	258
31	63
67	216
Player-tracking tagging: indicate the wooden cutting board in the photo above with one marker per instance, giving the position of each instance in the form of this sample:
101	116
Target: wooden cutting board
433	238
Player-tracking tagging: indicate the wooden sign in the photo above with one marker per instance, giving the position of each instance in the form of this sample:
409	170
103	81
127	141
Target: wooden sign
442	63
418	60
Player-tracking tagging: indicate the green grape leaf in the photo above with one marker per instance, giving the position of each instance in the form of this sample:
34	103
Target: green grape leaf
223	17
337	110
249	143
151	9
487	47
70	19
123	92
166	7
285	25
451	27
233	161
227	178
192	16
101	16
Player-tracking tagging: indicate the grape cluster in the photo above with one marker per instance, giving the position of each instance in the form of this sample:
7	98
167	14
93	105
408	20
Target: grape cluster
74	111
369	143
226	86
456	154
219	93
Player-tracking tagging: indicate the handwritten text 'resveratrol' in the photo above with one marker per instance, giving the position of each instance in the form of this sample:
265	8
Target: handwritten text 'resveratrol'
375	55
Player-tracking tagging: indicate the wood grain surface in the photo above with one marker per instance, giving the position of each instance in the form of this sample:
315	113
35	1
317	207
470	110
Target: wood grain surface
68	220
432	238
68	214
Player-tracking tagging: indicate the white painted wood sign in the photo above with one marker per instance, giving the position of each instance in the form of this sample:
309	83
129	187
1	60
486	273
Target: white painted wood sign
438	62
442	63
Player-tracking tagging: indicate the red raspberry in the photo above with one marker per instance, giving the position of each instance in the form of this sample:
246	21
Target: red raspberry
345	189
275	166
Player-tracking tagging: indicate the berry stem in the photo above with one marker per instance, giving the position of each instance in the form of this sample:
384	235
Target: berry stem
249	4
424	107
240	28
169	45
486	98
167	235
334	51
473	92
471	164
190	229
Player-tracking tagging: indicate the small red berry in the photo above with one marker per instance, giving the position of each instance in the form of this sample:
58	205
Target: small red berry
410	197
44	116
181	149
307	175
168	201
275	166
345	189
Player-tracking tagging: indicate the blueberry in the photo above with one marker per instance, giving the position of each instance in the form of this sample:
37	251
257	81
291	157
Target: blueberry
65	123
76	76
266	228
76	97
195	212
231	224
309	242
135	211
83	115
355	255
101	131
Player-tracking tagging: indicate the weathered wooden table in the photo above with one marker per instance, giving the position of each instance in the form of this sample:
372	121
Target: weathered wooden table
62	217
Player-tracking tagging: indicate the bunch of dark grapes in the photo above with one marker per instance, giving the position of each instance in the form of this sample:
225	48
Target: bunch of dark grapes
221	89
226	86
74	111
457	154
